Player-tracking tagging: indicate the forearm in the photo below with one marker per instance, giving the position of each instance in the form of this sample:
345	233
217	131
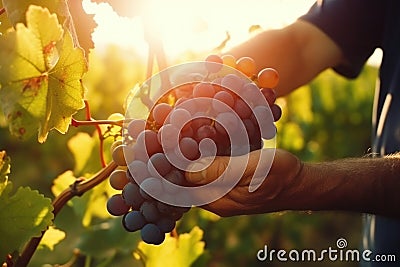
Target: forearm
370	185
298	52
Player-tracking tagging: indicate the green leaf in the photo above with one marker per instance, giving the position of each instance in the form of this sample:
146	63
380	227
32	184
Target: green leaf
181	251
51	237
108	238
62	182
22	216
40	75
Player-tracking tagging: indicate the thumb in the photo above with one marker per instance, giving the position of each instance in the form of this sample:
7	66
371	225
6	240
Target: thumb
206	170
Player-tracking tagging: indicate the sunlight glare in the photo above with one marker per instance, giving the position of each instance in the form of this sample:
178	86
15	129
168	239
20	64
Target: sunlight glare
193	25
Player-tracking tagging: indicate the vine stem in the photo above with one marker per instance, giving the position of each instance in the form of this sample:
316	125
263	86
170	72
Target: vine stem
78	188
77	123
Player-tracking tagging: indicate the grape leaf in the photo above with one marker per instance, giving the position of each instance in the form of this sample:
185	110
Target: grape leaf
115	237
181	251
16	9
83	24
40	75
22	216
51	237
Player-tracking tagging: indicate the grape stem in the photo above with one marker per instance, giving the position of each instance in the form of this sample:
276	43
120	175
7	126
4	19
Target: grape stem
2	10
78	188
91	121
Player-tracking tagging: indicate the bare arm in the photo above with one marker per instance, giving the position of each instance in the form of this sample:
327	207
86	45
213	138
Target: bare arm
299	52
368	185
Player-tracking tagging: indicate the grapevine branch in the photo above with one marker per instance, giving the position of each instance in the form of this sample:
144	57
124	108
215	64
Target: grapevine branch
78	188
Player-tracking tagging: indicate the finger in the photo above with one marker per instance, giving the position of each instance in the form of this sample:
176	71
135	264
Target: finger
204	171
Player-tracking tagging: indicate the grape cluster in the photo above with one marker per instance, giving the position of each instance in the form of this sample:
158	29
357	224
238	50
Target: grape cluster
219	113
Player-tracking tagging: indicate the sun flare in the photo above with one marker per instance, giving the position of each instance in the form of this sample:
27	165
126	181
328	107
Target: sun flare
192	25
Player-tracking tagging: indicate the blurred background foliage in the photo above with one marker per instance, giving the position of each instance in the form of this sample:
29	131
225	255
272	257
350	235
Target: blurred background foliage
328	119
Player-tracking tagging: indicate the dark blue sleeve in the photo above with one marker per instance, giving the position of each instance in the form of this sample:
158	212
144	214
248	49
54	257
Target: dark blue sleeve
356	26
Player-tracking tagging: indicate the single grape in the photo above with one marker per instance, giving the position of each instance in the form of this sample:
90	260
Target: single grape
115	144
207	147
242	109
179	118
149	211
265	119
268	78
187	131
269	95
118	155
250	127
148	139
158	165
151	234
168	136
227	101
229	60
251	93
152	186
116	205
165	208
205	131
203	89
135	127
180	101
232	82
247	65
199	122
133	221
213	63
276	112
161	112
118	179
166	224
139	153
176	177
227	123
138	171
132	197
189	148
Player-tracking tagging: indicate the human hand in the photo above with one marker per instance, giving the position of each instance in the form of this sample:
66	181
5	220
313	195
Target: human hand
274	193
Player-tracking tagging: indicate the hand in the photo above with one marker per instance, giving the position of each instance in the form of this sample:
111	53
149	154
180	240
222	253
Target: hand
275	193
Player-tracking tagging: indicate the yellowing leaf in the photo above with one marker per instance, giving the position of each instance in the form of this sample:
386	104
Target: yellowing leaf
62	182
81	145
65	96
40	75
181	251
51	237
